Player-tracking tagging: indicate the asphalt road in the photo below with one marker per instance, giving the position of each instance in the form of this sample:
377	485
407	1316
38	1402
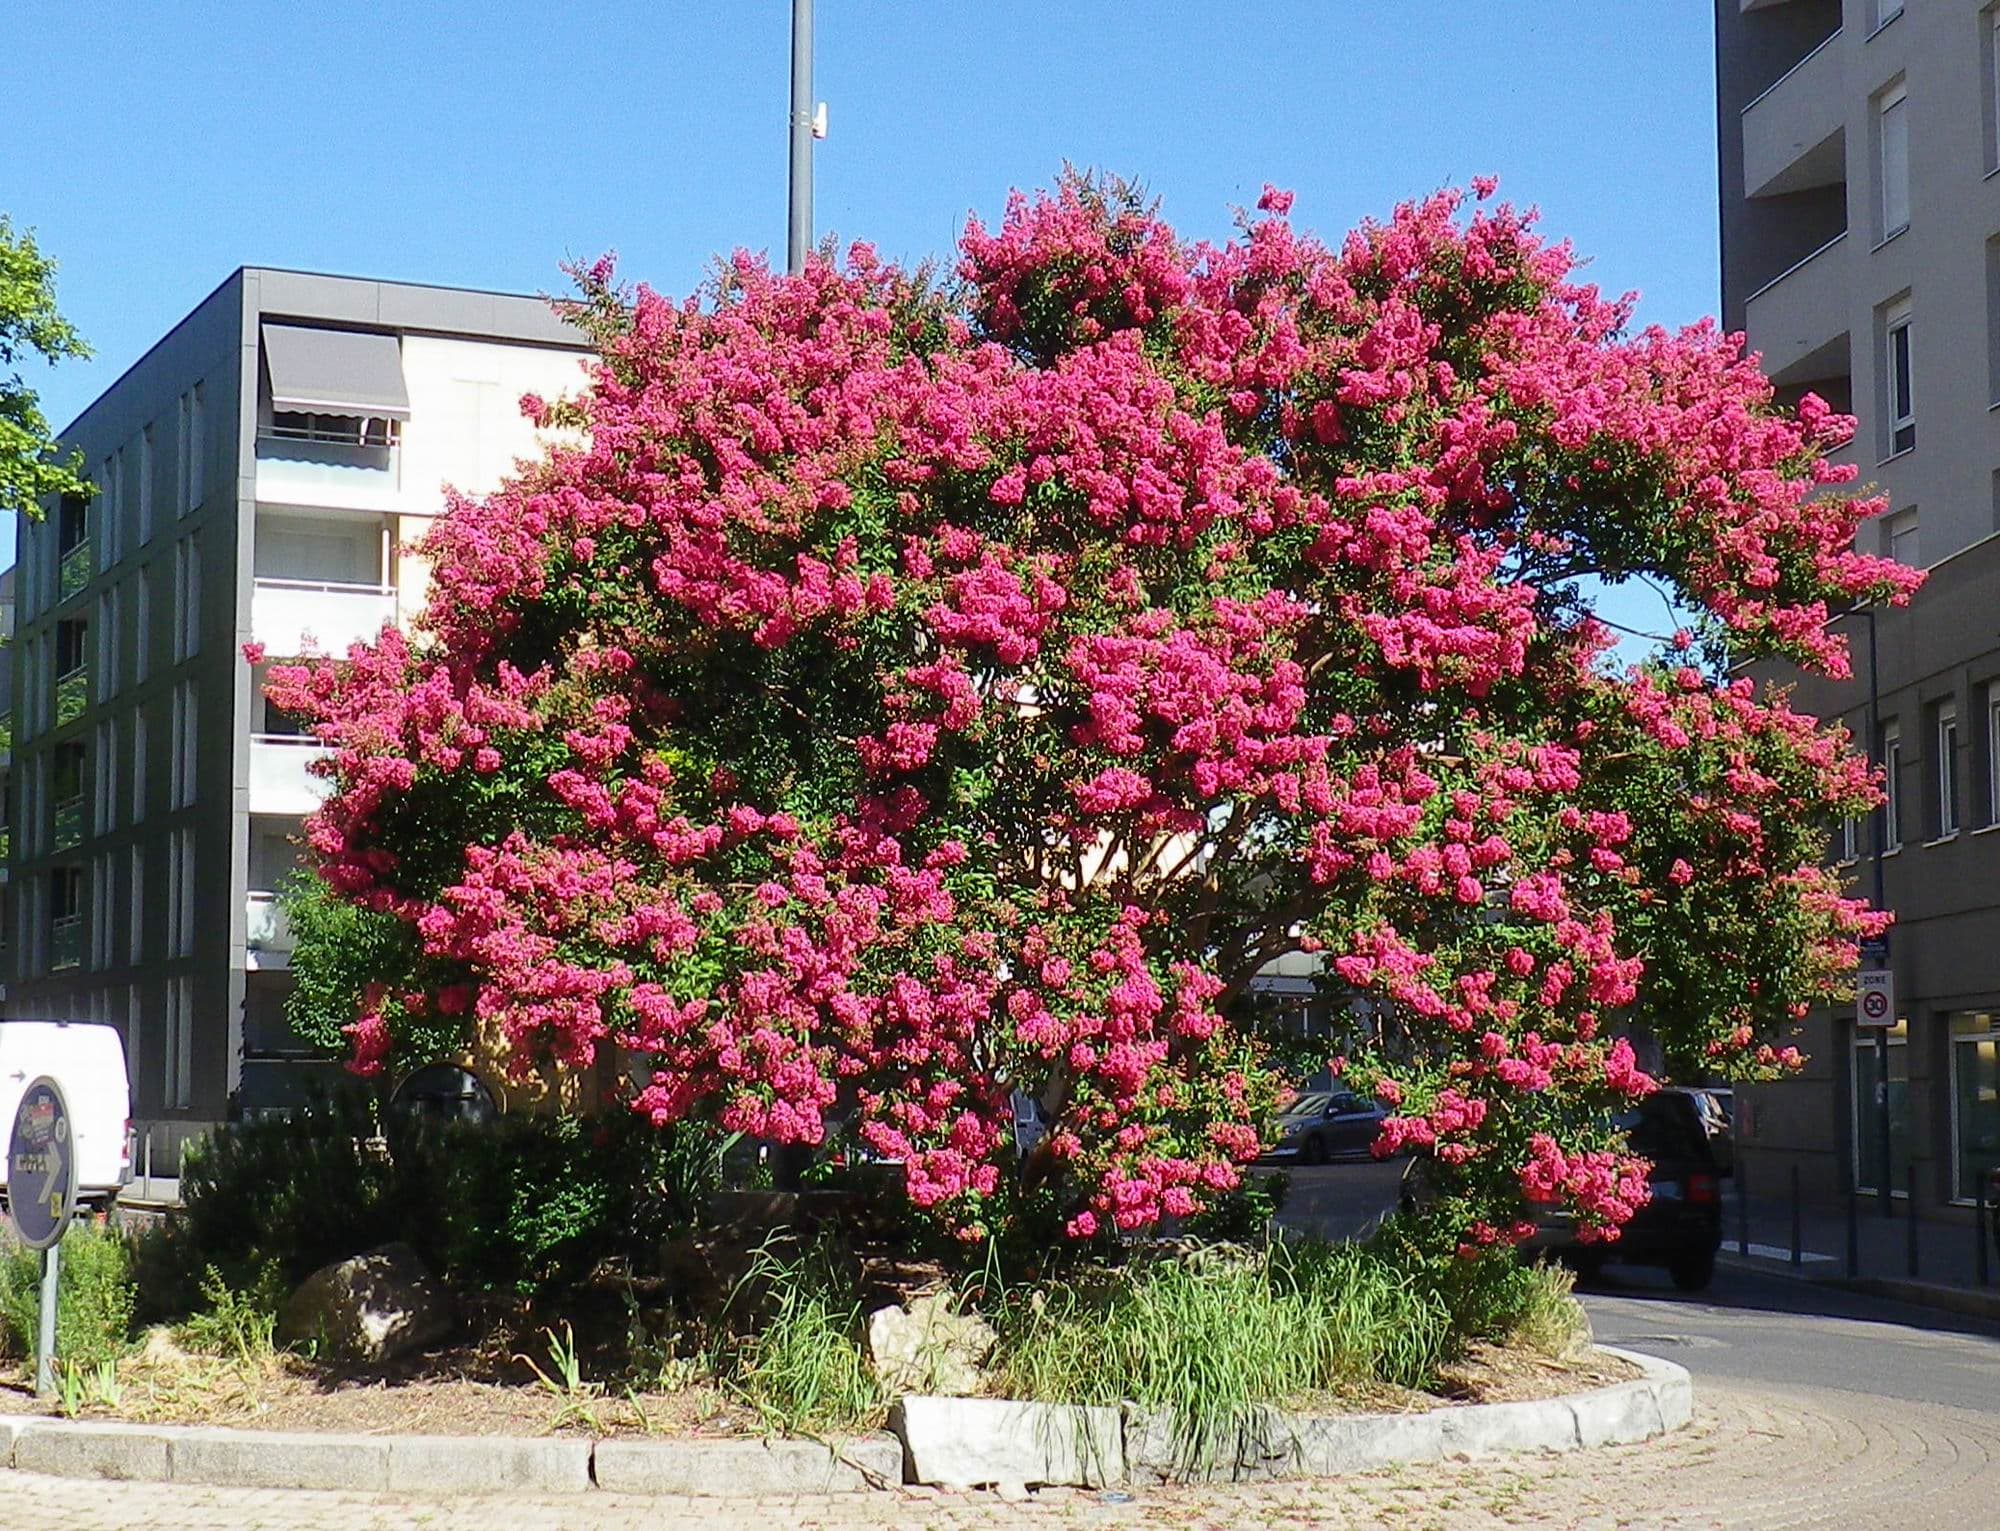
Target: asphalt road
1773	1331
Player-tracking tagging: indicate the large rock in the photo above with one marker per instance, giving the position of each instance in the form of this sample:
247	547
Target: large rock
929	1347
367	1310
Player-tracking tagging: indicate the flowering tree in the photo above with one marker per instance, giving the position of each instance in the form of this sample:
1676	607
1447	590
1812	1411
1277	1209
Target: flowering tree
904	697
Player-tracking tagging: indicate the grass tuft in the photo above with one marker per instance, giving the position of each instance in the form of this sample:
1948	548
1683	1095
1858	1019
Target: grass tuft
803	1368
1211	1333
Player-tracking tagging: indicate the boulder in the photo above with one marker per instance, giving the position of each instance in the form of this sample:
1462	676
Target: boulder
367	1310
929	1347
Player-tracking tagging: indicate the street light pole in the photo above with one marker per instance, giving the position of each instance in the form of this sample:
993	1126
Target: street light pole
799	232
1882	828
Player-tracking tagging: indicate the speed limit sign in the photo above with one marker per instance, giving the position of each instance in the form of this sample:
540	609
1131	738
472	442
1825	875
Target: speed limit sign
1875	997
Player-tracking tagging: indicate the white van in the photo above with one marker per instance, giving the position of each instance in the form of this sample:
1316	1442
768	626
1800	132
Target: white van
88	1061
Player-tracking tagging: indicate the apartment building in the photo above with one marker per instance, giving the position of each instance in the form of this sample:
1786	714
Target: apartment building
1859	151
261	475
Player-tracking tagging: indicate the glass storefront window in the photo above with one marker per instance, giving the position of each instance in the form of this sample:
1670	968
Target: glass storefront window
1868	1115
1975	1099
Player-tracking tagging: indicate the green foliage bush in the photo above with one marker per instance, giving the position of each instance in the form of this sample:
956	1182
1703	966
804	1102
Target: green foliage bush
1210	1331
94	1297
526	1207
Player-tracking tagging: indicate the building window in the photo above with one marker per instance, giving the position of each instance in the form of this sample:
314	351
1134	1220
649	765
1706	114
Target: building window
1891	830
1989	45
100	912
177	1051
1946	735
1975	1100
138	764
1866	1104
1849	845
186	713
107	515
136	915
1882	12
1899	383
180	893
1893	135
192	450
187	600
107	644
142	627
146	457
1899	538
66	772
65	917
104	777
1993	753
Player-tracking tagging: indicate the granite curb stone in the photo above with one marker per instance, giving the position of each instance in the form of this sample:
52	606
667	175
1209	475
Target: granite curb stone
949	1442
722	1468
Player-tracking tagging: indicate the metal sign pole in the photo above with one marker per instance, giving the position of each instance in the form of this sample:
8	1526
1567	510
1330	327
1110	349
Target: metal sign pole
45	1342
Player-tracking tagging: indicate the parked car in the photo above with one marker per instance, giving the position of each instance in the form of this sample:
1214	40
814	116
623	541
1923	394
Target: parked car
1681	1227
1716	1105
1319	1125
88	1061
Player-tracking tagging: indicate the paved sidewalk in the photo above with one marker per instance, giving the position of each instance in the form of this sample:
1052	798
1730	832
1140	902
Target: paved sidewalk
1947	1259
1755	1459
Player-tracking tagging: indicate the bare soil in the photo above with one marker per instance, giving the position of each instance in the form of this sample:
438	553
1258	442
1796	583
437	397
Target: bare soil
454	1394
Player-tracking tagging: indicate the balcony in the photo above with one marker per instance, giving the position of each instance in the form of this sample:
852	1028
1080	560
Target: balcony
66	942
336	475
267	935
1798	320
74	571
280	781
68	823
72	694
292	616
1794	133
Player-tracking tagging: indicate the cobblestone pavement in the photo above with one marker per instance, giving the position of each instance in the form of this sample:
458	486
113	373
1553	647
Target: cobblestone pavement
1754	1458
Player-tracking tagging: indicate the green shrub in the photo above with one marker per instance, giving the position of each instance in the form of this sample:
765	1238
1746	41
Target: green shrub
801	1365
525	1207
1211	1331
94	1298
233	1322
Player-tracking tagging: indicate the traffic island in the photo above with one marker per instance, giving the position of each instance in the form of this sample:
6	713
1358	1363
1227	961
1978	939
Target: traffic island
942	1442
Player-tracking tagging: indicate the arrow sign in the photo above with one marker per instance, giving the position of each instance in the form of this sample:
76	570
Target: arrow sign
41	1166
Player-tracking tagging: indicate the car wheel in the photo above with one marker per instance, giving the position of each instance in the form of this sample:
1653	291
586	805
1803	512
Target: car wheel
1313	1150
1692	1273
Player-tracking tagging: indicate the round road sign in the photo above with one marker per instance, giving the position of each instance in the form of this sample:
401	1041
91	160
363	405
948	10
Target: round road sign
41	1166
1875	1005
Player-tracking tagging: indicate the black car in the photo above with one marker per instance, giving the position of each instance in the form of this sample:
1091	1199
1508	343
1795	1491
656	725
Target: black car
1681	1227
1319	1125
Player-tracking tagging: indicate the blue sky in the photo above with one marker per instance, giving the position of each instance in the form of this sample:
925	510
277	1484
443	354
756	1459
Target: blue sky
155	145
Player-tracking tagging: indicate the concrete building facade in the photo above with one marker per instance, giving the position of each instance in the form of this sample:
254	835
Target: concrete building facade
261	474
1859	153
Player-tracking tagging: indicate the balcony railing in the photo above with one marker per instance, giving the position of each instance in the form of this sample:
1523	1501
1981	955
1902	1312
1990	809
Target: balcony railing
295	616
72	694
340	475
281	781
74	571
68	822
66	941
267	934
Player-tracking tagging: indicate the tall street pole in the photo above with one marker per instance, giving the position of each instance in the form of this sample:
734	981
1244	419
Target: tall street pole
1883	829
800	232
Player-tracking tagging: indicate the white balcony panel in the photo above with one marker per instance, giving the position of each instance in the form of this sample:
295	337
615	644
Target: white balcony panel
332	474
1793	134
279	780
291	617
1798	322
267	935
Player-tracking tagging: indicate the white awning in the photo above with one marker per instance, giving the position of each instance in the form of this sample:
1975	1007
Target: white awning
335	372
